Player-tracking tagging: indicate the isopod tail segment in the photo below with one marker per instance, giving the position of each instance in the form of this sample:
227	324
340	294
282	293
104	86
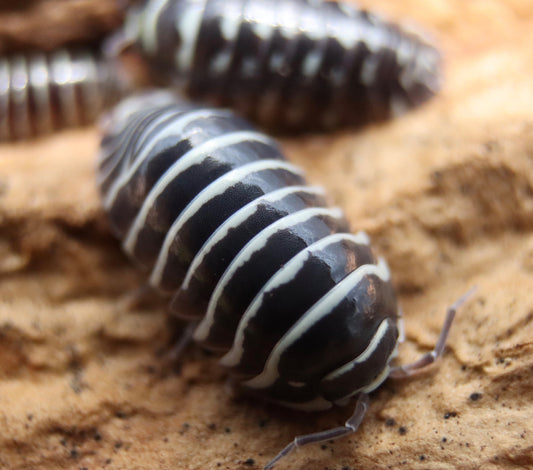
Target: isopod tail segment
361	405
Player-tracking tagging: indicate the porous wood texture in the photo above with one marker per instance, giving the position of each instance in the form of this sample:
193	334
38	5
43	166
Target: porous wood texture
48	24
446	193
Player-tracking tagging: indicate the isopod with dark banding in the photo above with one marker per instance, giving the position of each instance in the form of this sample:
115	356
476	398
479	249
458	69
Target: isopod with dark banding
266	272
41	92
287	64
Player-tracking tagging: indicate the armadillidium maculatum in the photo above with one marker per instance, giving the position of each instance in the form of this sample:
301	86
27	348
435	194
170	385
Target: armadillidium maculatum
268	275
43	92
287	64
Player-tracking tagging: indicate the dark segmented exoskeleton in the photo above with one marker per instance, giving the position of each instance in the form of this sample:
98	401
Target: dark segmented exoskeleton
269	275
42	92
287	64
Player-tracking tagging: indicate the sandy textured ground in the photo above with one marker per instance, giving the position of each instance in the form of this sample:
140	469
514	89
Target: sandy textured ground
48	24
446	194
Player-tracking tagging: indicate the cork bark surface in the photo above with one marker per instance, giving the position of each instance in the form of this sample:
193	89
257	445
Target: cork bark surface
446	194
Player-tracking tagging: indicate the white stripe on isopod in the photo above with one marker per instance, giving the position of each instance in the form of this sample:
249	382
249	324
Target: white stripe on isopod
318	311
252	247
236	219
188	159
216	188
283	276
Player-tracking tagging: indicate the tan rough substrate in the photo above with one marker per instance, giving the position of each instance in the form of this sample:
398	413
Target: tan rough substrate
446	194
48	24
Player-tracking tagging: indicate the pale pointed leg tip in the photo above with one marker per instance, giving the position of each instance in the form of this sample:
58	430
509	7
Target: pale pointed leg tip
350	427
286	451
468	295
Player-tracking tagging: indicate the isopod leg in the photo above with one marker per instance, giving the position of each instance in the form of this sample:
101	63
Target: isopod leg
136	298
173	355
413	368
349	427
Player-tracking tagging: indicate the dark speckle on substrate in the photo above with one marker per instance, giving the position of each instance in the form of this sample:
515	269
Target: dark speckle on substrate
475	396
402	430
249	462
450	414
184	428
390	422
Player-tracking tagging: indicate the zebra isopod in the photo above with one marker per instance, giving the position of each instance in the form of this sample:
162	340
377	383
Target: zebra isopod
268	274
42	92
287	64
